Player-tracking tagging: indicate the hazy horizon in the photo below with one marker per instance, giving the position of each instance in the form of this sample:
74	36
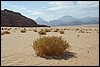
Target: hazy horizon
51	10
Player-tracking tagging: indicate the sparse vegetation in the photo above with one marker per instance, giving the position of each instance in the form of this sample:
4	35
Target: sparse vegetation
23	31
56	30
42	32
61	31
2	33
48	30
50	46
5	32
35	30
77	35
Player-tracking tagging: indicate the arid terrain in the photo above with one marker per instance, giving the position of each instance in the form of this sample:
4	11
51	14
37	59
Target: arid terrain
16	47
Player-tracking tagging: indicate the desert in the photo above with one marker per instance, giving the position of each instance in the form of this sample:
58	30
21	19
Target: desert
16	46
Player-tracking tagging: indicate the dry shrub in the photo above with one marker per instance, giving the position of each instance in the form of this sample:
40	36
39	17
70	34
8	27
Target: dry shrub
77	35
56	30
2	33
35	30
50	46
48	30
42	32
82	31
6	32
61	31
23	31
65	29
68	29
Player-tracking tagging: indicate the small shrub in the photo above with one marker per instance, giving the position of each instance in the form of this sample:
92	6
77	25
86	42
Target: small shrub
82	31
42	32
50	46
35	30
61	31
6	32
77	35
2	33
56	30
23	31
48	30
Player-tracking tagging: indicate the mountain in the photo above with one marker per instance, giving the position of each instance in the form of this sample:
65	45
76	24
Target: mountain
69	20
63	20
15	19
39	20
89	20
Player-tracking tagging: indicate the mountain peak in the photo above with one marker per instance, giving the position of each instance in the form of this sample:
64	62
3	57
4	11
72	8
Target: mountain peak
39	20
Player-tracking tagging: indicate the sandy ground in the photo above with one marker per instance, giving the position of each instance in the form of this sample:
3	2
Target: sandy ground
16	48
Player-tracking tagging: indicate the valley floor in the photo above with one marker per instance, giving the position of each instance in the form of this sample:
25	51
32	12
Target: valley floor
16	47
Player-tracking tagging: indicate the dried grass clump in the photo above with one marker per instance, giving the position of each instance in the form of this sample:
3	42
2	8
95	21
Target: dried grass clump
61	31
23	31
48	30
56	30
6	32
50	46
2	33
82	31
35	30
42	32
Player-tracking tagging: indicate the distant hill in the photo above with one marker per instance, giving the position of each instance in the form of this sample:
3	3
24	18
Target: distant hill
15	19
69	20
39	20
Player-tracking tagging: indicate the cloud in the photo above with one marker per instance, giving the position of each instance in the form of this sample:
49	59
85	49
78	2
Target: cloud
56	5
86	4
36	13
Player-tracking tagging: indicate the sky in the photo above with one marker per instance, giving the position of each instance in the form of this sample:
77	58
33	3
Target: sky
51	10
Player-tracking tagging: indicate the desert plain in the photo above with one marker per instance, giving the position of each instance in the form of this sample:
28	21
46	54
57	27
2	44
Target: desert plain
16	47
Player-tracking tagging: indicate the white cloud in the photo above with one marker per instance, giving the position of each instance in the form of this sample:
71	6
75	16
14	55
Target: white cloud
29	11
56	5
85	4
36	13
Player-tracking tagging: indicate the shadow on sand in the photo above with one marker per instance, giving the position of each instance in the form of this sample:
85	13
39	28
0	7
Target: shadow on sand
65	56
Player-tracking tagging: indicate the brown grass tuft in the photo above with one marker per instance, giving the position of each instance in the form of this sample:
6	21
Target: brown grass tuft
56	30
61	31
35	30
5	32
48	30
2	33
42	32
23	31
50	46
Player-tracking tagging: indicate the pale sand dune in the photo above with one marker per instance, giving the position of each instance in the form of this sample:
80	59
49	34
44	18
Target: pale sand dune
16	48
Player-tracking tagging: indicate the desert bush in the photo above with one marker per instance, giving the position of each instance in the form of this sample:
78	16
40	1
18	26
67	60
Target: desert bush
23	31
34	30
61	31
2	33
6	32
50	46
48	30
82	31
56	30
77	35
42	32
65	29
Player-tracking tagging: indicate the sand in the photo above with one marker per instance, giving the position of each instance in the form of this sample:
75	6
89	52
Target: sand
16	48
